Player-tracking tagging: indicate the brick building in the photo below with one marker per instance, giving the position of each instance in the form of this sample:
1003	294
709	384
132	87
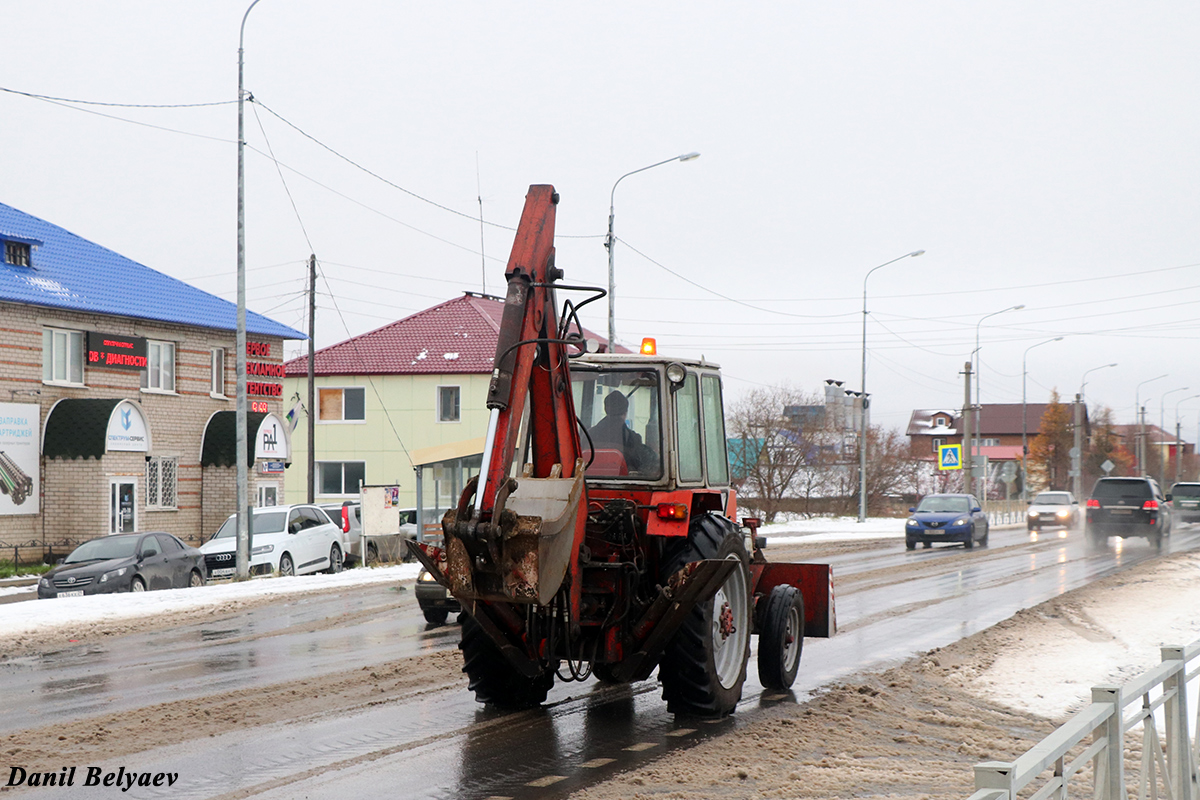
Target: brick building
117	395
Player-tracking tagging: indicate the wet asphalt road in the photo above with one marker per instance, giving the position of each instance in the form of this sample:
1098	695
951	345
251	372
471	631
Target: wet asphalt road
445	746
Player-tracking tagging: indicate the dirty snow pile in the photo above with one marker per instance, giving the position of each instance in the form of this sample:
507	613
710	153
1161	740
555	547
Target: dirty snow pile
18	618
833	529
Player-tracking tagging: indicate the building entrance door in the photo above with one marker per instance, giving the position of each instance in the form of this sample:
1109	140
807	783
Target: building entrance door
122	506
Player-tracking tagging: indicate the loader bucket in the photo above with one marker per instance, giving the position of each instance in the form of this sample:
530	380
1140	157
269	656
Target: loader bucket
541	545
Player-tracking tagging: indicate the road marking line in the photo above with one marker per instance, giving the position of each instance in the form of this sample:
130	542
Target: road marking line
549	780
640	746
596	762
681	732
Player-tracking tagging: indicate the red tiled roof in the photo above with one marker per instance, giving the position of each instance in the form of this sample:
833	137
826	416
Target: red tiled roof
458	336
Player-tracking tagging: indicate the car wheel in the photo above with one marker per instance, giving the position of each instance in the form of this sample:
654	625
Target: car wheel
286	566
987	531
436	616
927	545
970	542
138	585
195	580
910	545
335	559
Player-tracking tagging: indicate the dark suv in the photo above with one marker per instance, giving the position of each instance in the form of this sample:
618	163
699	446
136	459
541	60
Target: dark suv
1185	501
1127	507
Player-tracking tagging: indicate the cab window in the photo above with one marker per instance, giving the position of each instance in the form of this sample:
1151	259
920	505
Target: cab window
687	417
619	411
715	456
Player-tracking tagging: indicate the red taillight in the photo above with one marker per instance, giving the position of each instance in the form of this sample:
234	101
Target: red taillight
345	519
672	511
1093	503
1150	505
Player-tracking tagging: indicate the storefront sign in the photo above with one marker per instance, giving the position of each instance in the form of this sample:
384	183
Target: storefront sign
116	352
263	369
127	429
271	442
273	467
20	440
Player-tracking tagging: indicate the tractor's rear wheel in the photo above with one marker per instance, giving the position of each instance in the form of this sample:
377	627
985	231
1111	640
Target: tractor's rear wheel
704	666
492	678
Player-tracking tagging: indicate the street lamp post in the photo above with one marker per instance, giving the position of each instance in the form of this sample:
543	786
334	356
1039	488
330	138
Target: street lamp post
1139	450
1178	444
971	446
243	521
1077	457
1024	420
610	242
1162	467
1083	380
862	416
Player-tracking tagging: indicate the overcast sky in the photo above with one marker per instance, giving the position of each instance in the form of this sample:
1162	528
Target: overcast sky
1041	153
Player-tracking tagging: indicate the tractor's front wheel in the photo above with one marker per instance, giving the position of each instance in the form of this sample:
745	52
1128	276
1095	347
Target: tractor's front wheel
492	678
704	666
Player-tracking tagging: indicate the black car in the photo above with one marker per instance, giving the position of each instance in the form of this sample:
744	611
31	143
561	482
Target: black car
436	603
1127	507
125	562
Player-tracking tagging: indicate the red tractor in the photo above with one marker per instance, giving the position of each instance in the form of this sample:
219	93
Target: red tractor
599	536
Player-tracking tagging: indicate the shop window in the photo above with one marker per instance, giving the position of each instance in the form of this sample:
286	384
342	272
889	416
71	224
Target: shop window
62	356
448	403
160	367
341	477
342	405
161	482
217	371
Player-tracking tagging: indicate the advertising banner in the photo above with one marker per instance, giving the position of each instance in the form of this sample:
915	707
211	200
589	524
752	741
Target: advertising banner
127	430
20	442
116	352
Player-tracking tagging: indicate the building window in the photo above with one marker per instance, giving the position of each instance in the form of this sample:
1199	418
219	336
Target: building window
940	422
160	367
62	356
161	477
447	403
341	477
16	253
989	442
937	442
217	381
342	405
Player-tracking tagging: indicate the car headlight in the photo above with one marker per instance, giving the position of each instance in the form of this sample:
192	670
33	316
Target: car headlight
263	548
113	574
1062	514
1032	513
425	577
44	582
960	521
912	523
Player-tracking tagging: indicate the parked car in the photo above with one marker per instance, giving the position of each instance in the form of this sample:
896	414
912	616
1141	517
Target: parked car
1185	502
1127	507
348	515
1052	510
946	518
125	562
435	601
289	540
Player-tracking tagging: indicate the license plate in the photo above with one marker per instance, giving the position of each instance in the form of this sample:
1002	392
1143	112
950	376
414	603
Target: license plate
222	573
75	593
1121	510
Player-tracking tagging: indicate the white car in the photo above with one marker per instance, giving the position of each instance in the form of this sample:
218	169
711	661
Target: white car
289	540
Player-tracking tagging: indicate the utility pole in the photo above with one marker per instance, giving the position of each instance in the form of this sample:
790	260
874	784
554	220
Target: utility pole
312	335
1077	451
968	459
1178	449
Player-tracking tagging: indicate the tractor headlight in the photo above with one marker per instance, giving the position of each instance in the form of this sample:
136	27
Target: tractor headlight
676	372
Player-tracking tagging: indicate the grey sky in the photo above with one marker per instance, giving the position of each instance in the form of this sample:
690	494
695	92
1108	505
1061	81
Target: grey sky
1020	144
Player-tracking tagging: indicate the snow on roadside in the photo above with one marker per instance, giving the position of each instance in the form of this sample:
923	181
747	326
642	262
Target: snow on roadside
43	615
833	529
1097	635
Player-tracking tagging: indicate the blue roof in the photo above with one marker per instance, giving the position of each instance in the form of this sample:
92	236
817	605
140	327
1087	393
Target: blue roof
68	271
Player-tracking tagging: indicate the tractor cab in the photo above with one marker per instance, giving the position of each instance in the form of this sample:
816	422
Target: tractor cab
650	420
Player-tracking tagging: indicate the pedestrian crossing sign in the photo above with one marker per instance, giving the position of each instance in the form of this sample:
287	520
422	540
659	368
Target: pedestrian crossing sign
949	456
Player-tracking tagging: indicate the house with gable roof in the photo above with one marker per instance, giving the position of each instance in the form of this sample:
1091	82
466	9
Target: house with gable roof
117	395
407	394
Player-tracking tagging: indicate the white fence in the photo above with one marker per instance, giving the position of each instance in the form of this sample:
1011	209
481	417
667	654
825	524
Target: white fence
1095	738
1006	512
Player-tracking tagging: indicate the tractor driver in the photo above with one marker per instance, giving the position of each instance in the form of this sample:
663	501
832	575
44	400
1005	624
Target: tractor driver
612	432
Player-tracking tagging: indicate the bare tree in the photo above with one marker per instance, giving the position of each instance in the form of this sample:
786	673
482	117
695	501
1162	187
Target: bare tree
770	450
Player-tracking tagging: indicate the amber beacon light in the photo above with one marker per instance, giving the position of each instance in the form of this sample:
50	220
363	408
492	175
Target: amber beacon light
649	348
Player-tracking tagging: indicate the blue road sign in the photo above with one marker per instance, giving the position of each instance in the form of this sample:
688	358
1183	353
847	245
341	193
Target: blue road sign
950	456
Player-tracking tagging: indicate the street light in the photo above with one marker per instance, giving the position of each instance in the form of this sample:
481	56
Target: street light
1139	449
1178	444
243	478
971	446
1024	420
1083	380
1162	467
862	421
610	242
1077	451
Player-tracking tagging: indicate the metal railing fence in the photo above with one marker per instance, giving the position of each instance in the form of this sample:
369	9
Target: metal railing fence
1095	737
1006	512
